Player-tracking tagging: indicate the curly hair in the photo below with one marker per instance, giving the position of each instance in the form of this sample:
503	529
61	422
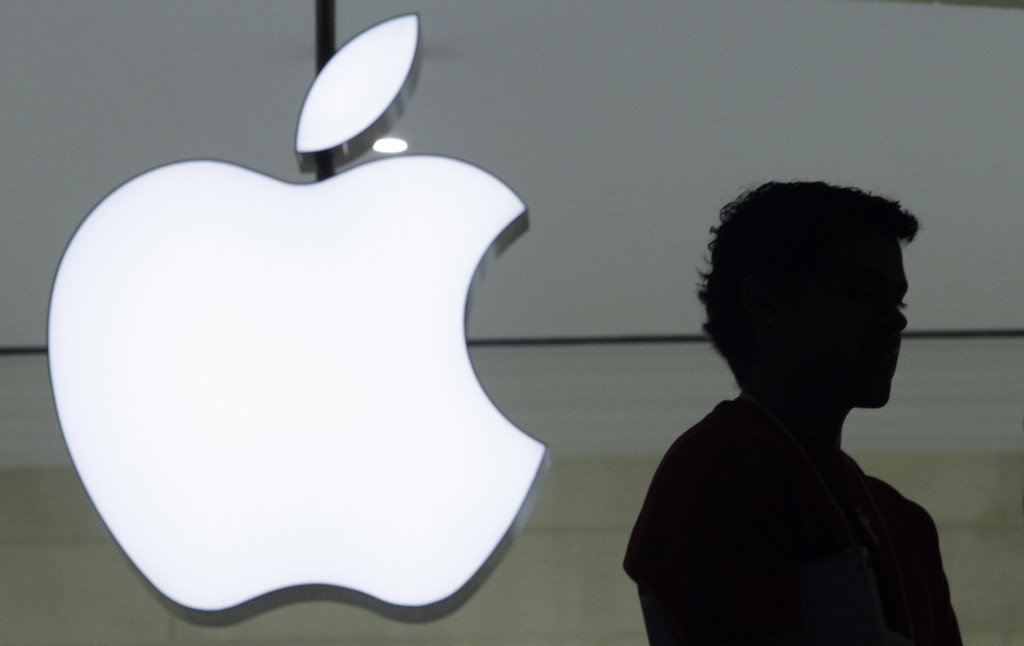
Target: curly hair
780	231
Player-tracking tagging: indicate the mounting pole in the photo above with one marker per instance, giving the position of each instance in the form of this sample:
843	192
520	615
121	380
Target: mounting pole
325	46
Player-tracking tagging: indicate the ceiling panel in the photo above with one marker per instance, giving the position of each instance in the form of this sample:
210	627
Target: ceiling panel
624	126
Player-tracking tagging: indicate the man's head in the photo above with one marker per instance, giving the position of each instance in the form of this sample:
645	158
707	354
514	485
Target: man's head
803	269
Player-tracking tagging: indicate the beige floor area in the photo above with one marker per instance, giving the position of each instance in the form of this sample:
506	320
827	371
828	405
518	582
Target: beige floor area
64	581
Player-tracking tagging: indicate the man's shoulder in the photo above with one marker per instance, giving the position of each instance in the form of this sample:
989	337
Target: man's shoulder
730	426
734	429
890	495
732	444
894	506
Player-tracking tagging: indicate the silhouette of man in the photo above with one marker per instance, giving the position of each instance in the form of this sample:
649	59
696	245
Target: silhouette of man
757	527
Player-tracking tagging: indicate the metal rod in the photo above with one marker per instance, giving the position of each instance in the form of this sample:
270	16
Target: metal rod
325	46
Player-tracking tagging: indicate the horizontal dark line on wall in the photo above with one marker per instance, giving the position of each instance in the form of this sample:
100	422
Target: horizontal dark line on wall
1006	4
637	340
589	340
40	349
963	334
700	338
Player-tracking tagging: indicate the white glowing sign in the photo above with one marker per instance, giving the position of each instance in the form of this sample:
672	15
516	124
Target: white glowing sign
265	386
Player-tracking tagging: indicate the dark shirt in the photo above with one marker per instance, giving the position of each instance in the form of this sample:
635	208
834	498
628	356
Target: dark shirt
735	508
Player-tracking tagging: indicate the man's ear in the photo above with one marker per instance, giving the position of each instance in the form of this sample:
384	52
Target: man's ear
760	301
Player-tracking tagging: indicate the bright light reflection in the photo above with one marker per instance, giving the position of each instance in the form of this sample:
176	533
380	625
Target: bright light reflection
390	145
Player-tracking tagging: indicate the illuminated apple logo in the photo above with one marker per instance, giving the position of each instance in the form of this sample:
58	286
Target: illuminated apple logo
265	386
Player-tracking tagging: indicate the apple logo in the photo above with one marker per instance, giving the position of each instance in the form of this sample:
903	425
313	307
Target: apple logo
265	386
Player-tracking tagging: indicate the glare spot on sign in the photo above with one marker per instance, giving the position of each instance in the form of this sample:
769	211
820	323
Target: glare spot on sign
391	145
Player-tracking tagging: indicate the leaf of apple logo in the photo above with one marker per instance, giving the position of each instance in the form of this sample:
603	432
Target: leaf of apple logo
265	386
379	66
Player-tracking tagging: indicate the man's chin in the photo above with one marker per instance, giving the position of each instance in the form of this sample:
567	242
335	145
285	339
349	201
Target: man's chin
874	399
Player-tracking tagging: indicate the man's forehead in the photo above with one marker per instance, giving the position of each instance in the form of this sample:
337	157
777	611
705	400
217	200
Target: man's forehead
859	253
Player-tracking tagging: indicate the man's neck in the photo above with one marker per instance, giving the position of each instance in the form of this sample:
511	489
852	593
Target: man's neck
815	426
